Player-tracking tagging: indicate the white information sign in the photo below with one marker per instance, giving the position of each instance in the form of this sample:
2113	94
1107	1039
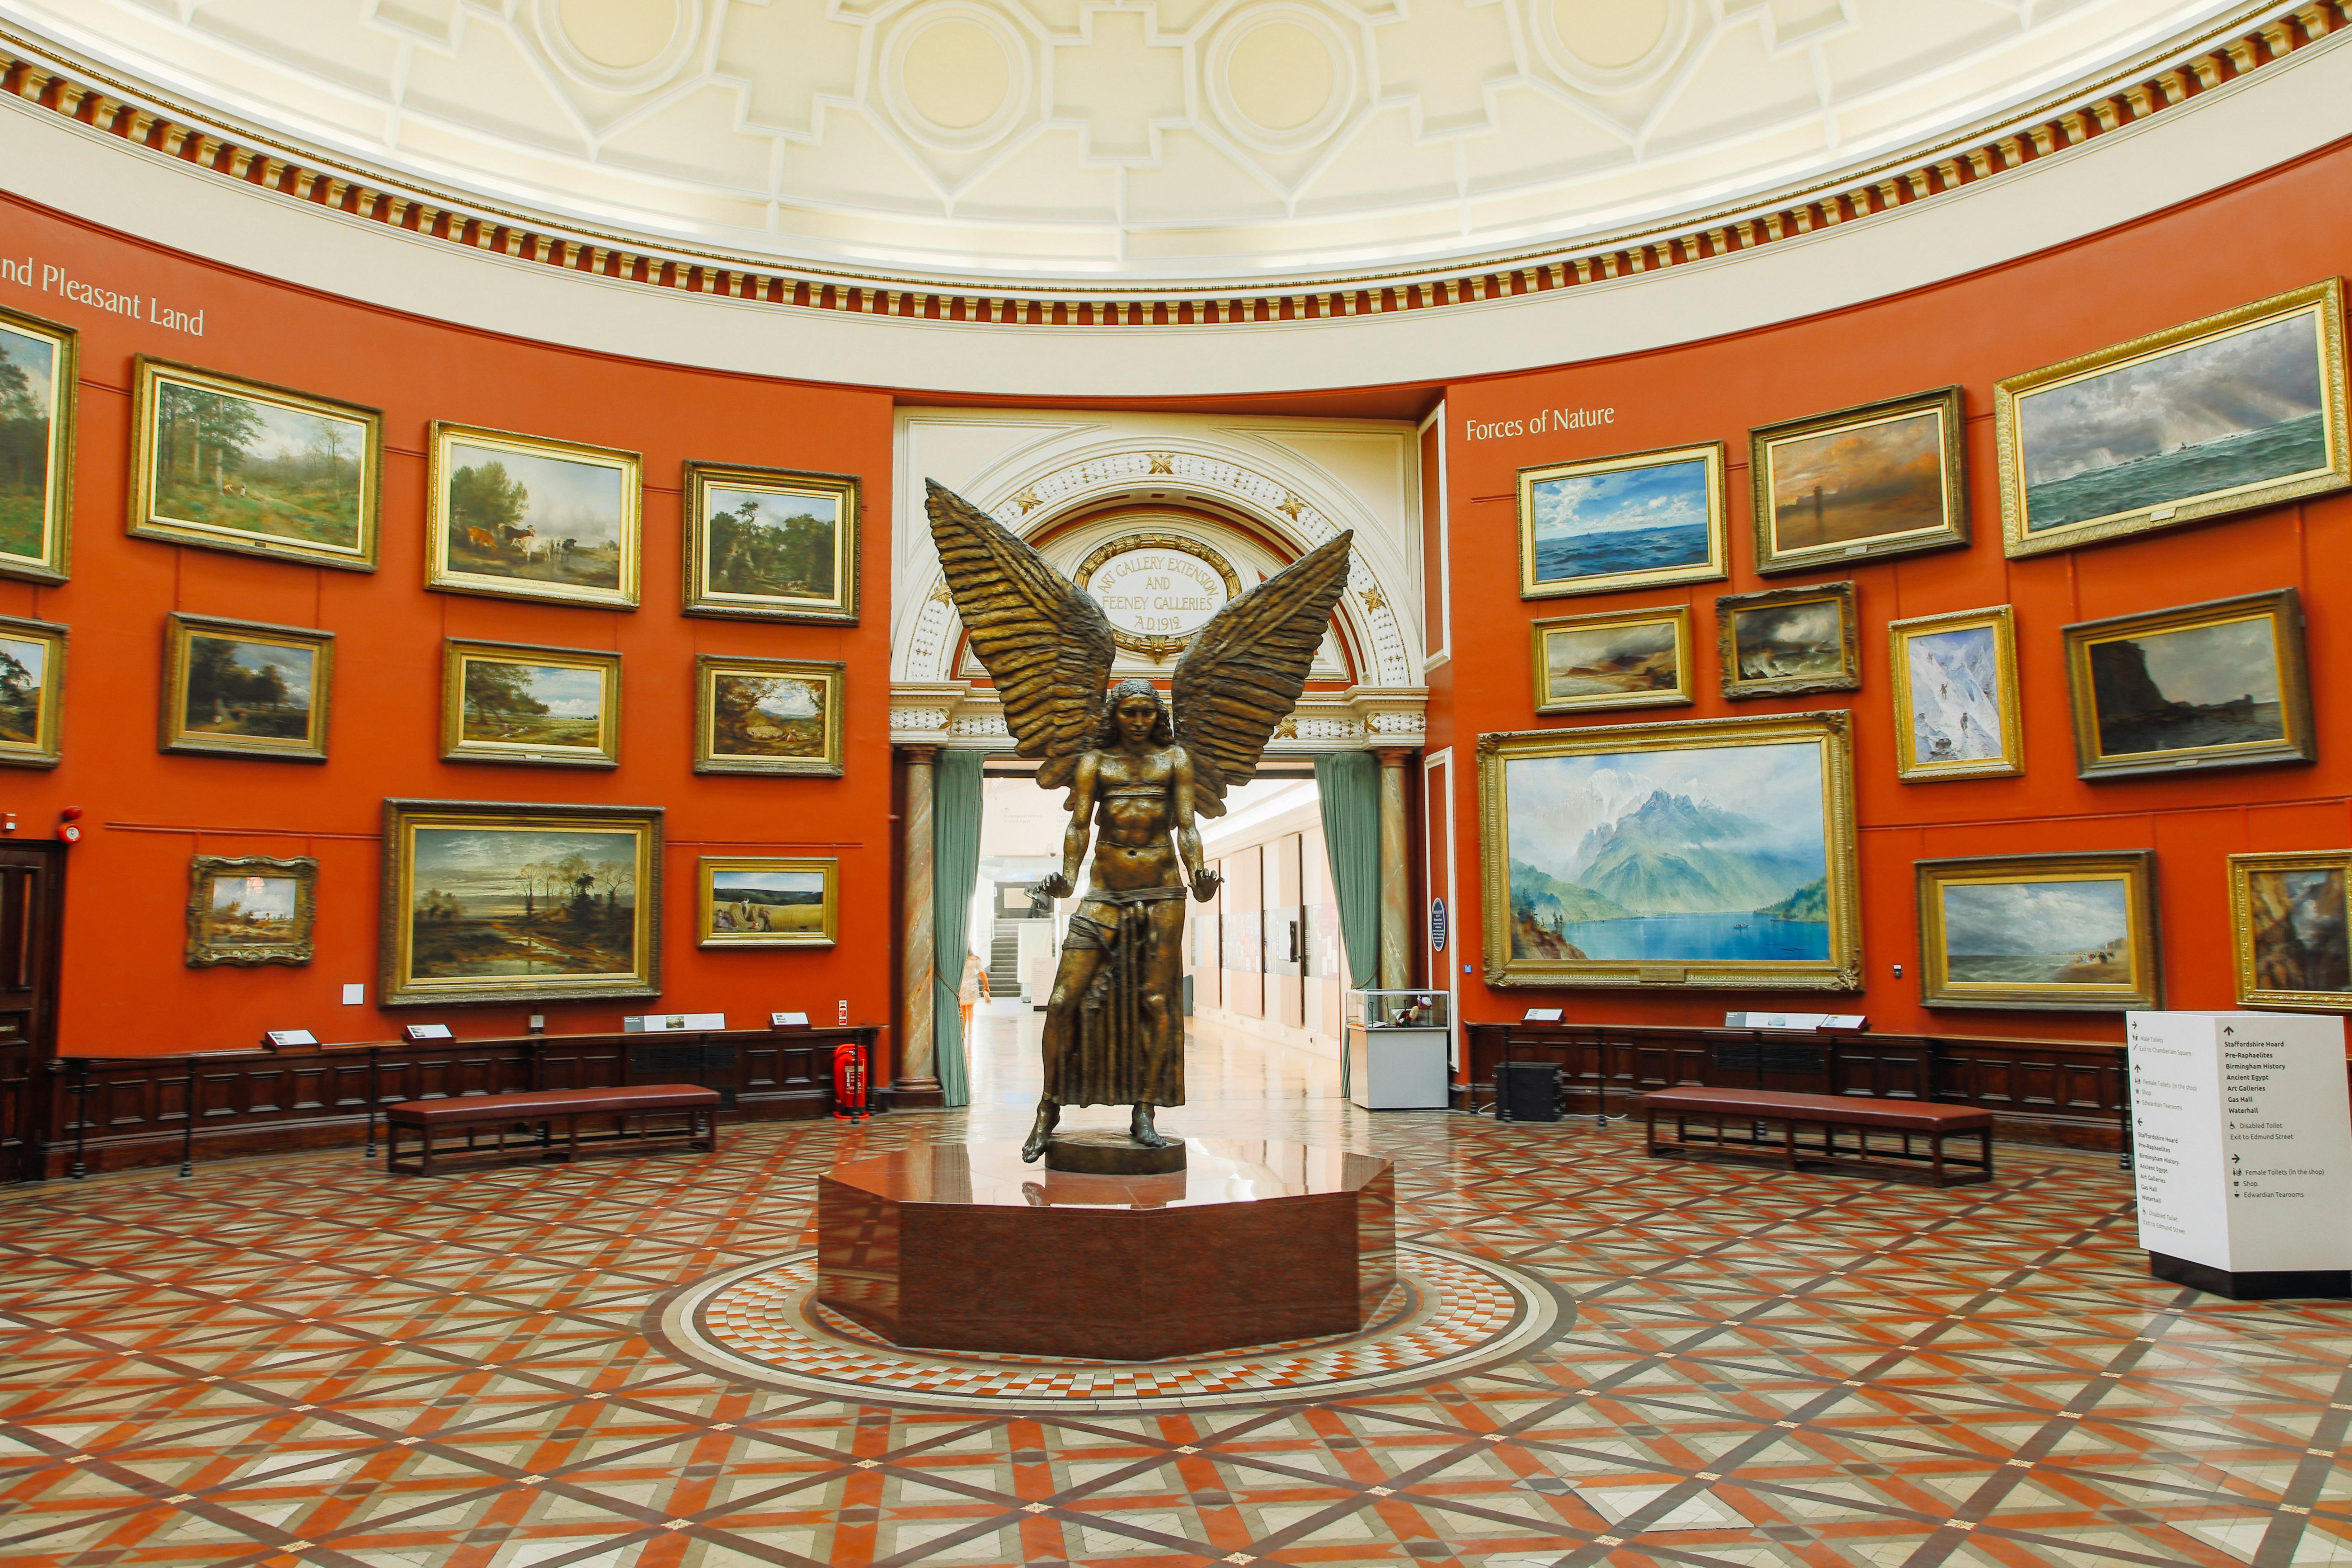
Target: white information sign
1158	592
2241	1139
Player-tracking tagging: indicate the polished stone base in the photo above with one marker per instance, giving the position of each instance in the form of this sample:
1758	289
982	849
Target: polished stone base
961	1246
2307	1284
1100	1151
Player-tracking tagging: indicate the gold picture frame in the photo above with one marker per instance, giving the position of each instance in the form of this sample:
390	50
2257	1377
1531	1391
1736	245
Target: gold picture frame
1898	467
1941	666
770	907
2095	427
2069	932
292	475
801	568
2217	685
2290	941
483	512
245	688
32	692
1564	552
1626	885
1623	658
39	385
469	883
772	715
1781	643
520	703
249	909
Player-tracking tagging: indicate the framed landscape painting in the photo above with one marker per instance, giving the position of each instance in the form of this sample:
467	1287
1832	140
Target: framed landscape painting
2291	938
2040	930
245	689
1955	696
1629	521
1788	642
519	517
37	381
511	702
1886	479
1631	658
2220	684
770	544
32	690
1714	853
769	902
490	902
2236	410
767	715
240	465
250	909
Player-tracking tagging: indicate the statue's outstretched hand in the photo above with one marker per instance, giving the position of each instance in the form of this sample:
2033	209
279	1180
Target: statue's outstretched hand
1058	886
1205	883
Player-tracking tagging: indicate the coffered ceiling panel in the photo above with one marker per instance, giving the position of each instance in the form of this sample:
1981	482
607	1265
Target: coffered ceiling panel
1126	141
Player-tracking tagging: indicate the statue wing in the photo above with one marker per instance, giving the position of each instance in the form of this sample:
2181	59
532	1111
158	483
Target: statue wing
1242	673
1043	640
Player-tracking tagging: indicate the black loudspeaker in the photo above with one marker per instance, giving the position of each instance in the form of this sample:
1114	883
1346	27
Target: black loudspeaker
1526	1091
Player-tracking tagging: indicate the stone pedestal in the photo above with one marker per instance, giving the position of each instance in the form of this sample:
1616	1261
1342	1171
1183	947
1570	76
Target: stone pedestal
961	1246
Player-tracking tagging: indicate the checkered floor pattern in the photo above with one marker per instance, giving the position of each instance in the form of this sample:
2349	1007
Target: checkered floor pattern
302	1361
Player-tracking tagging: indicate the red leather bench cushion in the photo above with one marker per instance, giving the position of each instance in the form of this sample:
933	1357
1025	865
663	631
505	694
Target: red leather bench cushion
1846	1110
477	1108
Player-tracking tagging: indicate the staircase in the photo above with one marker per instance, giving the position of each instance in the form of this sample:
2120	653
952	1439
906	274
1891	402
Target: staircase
1004	960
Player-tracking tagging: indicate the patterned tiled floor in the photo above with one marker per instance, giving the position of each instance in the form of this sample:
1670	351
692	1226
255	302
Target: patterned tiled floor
300	1360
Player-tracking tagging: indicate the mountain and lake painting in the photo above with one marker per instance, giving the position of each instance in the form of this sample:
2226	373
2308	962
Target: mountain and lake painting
1620	522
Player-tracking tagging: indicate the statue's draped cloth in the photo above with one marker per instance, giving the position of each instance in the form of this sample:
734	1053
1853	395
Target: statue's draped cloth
1118	1055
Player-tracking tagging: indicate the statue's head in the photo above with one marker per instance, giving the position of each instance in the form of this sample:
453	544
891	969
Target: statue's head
1133	711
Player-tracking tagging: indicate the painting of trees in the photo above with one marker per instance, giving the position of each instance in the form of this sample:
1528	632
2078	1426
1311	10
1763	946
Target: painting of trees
753	550
483	497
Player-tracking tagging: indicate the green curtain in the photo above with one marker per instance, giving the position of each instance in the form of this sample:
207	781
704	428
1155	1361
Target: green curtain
955	868
1349	786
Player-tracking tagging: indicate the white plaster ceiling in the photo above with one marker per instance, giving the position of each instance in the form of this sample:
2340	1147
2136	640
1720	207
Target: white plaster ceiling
1123	142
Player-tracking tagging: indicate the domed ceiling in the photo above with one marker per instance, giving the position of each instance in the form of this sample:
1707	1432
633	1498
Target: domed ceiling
1126	142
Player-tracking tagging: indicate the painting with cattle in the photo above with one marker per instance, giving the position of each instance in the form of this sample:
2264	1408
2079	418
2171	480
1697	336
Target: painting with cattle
521	517
769	902
771	543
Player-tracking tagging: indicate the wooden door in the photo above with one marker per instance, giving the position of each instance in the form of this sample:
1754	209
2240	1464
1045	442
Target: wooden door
32	896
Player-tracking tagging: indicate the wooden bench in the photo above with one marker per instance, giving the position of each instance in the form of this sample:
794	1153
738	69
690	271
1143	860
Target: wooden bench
1737	1131
475	1113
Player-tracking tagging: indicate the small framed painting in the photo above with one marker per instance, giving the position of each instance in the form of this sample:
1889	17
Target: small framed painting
511	702
2287	919
250	909
767	715
243	689
1631	658
769	902
1955	696
32	688
2236	410
770	544
38	382
519	517
2040	930
491	903
2220	684
1628	521
1788	642
231	463
1886	479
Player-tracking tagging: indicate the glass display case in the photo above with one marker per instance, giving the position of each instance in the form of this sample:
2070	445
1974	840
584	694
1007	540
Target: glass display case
1398	1044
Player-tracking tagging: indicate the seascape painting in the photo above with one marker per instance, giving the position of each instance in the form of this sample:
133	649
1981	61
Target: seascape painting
2295	925
1617	662
1800	641
1953	682
768	902
24	687
513	702
227	464
245	689
537	517
522	901
1866	481
2215	684
1621	522
2068	931
28	381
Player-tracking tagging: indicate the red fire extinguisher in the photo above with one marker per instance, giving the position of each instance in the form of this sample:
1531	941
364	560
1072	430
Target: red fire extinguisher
849	1082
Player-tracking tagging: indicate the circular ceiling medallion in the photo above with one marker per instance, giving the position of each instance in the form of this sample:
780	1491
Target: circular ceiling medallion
956	75
1611	46
1158	589
619	45
1280	76
1448	1314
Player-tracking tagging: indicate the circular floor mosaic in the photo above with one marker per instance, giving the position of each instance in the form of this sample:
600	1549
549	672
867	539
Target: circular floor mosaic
1448	1314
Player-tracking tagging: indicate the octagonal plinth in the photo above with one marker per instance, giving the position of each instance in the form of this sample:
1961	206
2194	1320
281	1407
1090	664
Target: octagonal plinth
961	1246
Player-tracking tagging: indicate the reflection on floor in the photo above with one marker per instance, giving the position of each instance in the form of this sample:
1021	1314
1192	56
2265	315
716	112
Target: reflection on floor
300	1360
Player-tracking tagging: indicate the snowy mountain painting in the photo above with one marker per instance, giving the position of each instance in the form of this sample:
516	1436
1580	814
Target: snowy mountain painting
1701	855
1955	679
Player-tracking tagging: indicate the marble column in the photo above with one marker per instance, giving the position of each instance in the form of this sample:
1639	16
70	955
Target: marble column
1396	877
918	1080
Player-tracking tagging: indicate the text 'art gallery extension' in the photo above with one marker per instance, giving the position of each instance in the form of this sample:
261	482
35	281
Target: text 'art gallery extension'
986	782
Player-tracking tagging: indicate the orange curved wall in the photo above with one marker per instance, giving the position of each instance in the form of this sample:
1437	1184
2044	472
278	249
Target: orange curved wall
125	989
2288	227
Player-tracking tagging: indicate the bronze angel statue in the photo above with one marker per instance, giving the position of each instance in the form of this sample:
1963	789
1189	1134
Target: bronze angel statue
1138	770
